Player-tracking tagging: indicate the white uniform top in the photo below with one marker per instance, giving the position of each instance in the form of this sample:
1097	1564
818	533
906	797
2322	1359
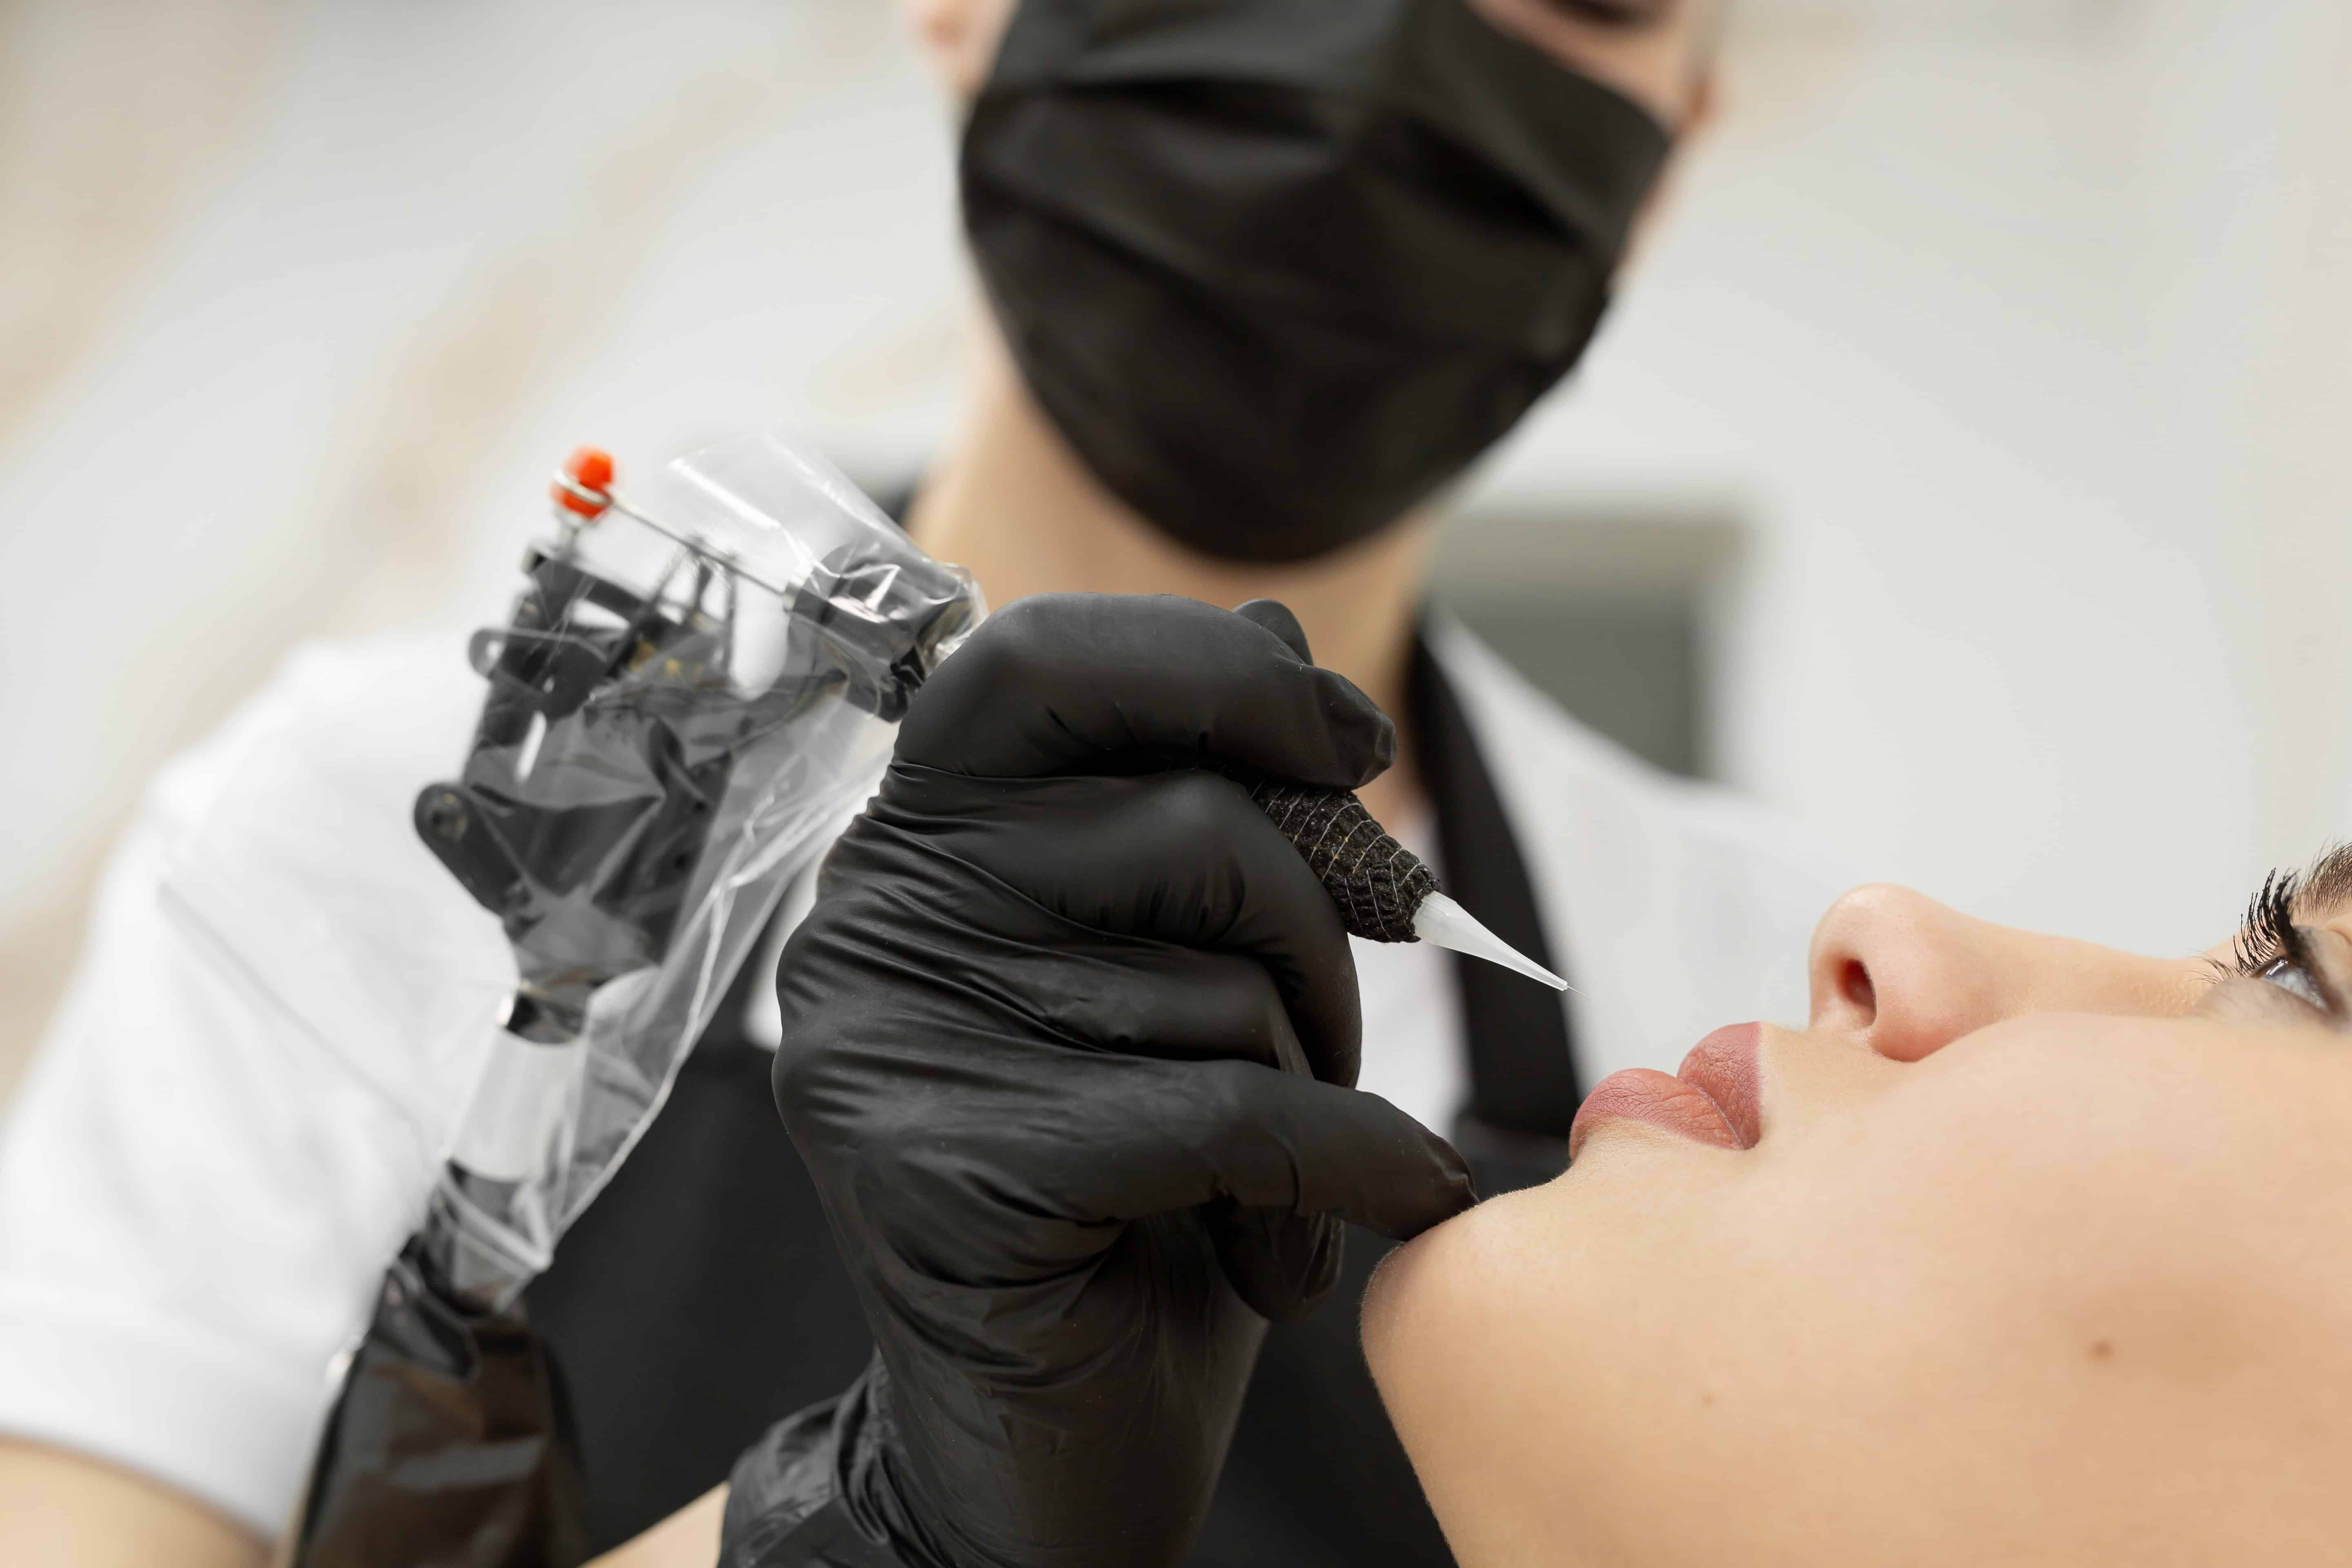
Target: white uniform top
284	999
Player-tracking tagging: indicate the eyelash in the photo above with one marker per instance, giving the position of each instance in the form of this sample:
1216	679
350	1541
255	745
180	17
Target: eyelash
2268	933
2271	945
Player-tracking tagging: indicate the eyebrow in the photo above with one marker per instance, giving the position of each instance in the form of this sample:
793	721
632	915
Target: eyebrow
2327	887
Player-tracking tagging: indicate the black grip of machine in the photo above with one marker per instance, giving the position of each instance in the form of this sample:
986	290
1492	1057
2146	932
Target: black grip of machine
1376	882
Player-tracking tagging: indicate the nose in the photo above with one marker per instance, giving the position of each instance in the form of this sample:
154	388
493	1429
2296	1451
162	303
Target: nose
1909	976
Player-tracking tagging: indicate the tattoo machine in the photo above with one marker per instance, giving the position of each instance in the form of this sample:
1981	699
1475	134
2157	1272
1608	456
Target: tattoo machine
696	688
698	684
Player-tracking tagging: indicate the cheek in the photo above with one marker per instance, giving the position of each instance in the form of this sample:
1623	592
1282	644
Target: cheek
1736	1351
1996	1301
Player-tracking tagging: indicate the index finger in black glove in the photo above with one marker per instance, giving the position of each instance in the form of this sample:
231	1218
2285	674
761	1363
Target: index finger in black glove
1184	858
1066	684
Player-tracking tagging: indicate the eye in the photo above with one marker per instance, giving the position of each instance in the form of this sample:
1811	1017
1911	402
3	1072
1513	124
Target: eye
2278	958
2288	974
2274	951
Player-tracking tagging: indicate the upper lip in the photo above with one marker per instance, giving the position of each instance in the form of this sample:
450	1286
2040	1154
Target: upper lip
1723	1068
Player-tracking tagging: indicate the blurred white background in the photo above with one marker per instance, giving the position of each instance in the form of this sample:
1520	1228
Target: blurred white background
2011	338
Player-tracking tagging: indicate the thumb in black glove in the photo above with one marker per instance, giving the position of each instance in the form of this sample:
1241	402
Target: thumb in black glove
1067	1043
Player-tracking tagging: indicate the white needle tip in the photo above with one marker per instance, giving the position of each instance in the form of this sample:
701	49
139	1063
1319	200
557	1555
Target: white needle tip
1442	920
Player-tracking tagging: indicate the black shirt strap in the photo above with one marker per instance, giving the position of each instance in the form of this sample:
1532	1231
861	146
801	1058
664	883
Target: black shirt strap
1524	1089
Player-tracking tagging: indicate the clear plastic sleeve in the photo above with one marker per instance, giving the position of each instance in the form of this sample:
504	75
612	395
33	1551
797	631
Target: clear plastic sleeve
697	685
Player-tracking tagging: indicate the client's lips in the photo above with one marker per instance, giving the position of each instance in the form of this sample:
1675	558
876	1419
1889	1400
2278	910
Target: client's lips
1712	1100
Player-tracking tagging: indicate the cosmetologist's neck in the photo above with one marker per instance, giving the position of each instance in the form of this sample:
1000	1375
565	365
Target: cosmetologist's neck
1010	502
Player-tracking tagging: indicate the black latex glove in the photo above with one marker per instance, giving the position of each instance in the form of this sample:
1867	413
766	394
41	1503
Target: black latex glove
1069	1038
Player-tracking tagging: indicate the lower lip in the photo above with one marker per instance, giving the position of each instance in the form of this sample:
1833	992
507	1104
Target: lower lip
1721	1114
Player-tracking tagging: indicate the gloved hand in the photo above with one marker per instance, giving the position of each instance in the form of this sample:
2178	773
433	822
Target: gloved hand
1069	1038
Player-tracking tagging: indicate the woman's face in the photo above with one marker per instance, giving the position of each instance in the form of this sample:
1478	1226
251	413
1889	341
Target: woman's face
2024	1251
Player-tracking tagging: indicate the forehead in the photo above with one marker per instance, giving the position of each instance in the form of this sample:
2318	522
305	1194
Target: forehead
1652	51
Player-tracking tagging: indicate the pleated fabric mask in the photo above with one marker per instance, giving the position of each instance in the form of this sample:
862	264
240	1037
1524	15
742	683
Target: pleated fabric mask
1278	269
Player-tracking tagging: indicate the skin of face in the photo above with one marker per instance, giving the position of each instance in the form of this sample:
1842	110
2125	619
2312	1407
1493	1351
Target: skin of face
2038	1256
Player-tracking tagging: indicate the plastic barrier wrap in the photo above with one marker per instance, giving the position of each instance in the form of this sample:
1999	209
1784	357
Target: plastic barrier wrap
698	684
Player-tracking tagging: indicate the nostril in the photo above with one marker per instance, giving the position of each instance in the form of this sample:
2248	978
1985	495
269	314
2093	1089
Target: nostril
1854	984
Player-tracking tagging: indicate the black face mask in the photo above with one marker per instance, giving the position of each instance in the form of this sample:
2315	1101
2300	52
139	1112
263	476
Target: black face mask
1278	269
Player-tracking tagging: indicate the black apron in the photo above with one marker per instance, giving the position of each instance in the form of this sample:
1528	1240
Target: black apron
699	1299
